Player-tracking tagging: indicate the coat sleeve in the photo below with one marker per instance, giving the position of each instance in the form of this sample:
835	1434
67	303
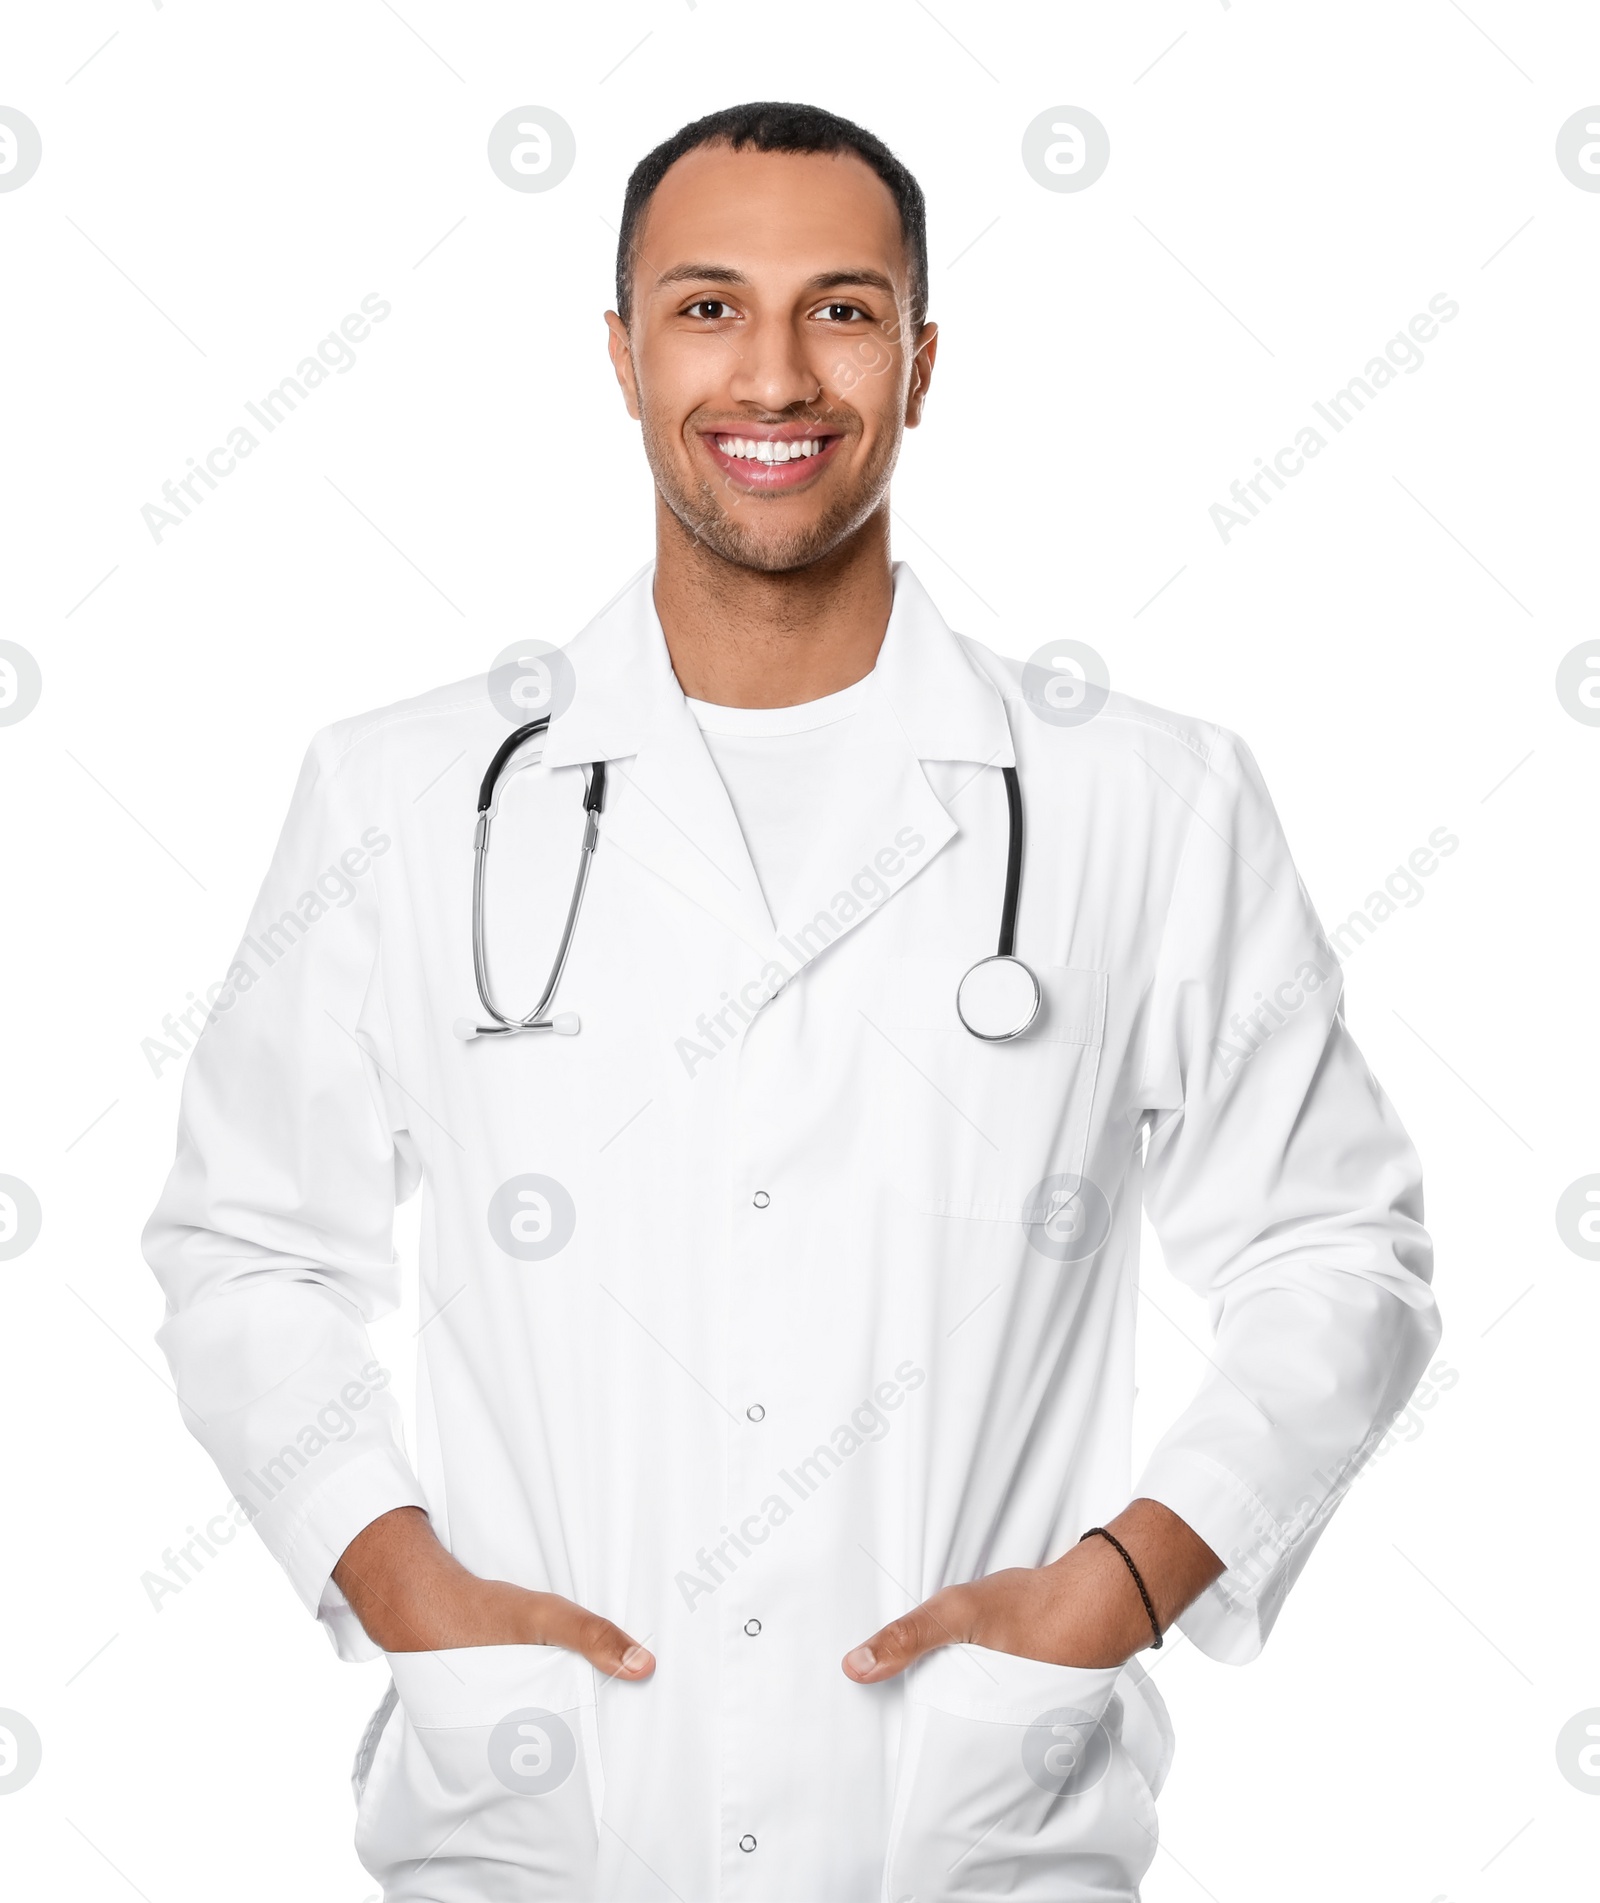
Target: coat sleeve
1283	1189
273	1238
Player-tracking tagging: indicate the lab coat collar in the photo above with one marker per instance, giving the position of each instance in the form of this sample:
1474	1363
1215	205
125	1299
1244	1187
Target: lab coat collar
626	689
666	805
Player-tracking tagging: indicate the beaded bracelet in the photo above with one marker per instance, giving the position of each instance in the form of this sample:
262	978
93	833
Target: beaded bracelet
1128	1561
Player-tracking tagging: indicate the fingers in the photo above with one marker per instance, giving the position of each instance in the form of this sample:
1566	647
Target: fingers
942	1620
606	1646
412	1595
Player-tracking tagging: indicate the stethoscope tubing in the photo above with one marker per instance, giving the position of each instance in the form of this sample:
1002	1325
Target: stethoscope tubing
593	805
1008	909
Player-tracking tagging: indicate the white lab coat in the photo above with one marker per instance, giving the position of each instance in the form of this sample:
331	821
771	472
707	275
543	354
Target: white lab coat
784	1335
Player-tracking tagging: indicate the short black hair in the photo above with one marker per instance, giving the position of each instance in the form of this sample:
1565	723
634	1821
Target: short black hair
778	126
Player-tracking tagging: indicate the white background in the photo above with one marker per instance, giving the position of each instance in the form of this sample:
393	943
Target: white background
1288	185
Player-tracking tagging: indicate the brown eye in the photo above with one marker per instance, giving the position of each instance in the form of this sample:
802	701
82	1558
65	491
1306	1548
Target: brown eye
710	308
841	313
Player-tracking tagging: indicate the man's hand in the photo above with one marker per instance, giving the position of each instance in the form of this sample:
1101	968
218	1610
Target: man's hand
413	1596
1083	1609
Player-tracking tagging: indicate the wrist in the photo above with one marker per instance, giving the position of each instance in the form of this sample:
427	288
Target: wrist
1173	1561
409	1593
1138	1612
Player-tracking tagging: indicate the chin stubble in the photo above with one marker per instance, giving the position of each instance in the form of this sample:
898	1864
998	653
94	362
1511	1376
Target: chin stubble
716	526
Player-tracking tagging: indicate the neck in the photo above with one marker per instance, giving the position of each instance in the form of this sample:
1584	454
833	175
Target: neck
746	637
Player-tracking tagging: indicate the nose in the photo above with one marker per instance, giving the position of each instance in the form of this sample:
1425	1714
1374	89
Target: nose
772	371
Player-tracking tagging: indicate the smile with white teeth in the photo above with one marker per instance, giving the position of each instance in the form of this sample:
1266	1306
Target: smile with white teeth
765	449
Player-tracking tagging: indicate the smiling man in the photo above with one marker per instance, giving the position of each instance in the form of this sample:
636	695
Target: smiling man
772	1531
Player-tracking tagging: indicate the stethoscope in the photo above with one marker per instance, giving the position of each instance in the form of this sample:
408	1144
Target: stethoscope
564	1023
999	997
996	1001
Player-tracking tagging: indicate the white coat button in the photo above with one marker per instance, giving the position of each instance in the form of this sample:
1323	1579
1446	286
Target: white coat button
761	1199
747	1842
752	1627
755	1412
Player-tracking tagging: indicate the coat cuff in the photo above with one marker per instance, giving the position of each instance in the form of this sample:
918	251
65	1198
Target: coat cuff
1232	1617
308	1544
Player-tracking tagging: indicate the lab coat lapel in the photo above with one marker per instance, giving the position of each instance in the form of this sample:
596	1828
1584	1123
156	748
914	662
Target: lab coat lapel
669	809
930	701
665	805
881	826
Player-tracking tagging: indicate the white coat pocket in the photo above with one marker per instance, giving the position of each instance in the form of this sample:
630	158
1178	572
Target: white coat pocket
485	1785
1014	1783
973	1128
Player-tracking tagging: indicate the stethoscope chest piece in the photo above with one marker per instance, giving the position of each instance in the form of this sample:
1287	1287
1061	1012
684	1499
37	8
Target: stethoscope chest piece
998	999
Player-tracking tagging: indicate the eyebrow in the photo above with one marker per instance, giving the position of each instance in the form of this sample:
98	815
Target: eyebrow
823	281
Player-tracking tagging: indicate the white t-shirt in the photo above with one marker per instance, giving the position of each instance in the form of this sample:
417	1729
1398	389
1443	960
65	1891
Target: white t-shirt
782	767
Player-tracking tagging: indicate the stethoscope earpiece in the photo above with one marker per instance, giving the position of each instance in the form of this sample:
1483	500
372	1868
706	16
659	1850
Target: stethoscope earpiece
564	1024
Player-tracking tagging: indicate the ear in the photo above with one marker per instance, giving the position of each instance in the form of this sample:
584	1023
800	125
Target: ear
622	362
921	373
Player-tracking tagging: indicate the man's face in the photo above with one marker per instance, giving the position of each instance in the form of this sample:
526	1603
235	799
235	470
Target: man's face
769	358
